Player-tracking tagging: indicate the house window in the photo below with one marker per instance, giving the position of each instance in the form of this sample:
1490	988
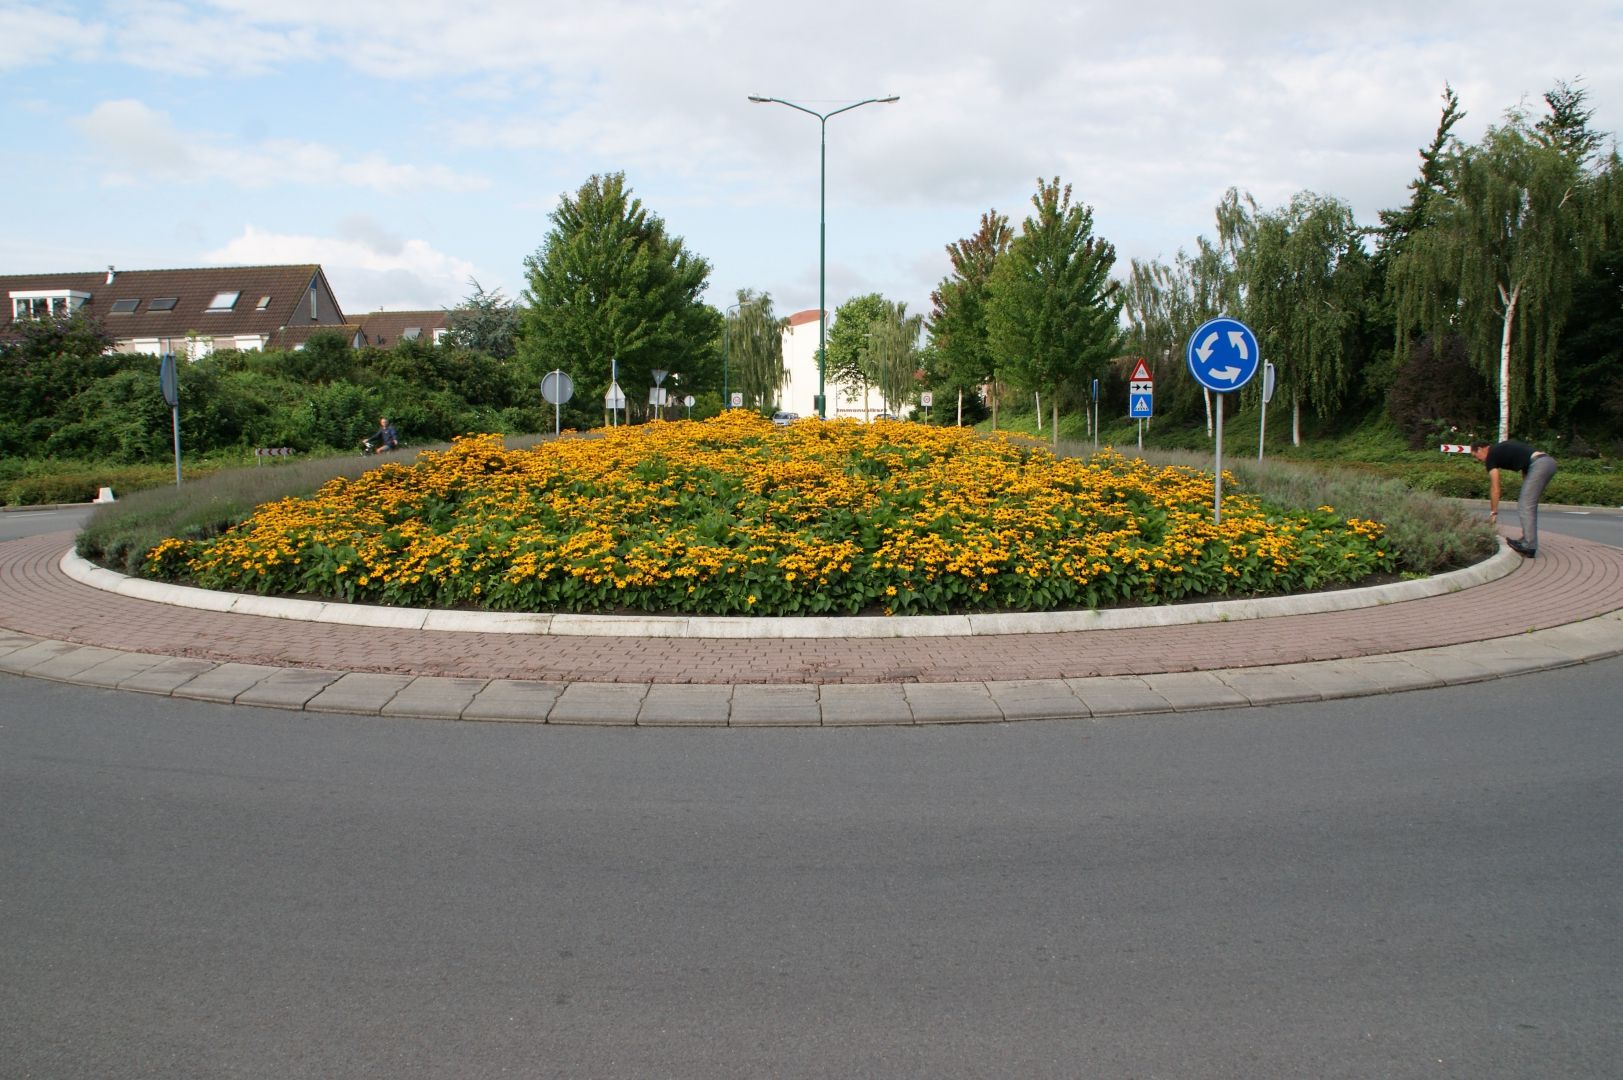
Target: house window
263	305
439	333
223	301
412	333
249	342
163	303
40	305
125	307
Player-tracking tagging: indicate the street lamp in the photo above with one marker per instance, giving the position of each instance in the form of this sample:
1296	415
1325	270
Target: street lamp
822	224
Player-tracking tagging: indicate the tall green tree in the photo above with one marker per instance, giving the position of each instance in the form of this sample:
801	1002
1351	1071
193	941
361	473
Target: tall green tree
610	283
957	323
1497	260
893	356
849	342
1053	309
1431	185
1163	305
1303	268
755	349
486	322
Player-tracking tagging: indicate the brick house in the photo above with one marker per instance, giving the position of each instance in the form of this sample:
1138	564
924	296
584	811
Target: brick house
187	312
386	329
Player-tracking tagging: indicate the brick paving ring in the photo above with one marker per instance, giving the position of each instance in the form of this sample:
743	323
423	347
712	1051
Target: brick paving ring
817	671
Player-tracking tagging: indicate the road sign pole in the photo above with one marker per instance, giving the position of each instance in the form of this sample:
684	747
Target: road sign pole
174	422
1222	356
1267	396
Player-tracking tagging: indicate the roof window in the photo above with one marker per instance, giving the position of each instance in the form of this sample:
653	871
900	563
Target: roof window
412	333
162	303
263	305
125	307
223	301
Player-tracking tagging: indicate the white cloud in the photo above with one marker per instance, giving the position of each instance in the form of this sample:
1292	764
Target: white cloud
1150	111
31	36
134	141
368	267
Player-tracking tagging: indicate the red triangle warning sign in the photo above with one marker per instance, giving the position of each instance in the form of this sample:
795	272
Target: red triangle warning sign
1141	373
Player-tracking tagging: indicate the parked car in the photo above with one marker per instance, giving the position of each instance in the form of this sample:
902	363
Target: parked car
784	419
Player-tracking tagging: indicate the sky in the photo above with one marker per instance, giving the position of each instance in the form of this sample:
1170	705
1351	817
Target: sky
412	147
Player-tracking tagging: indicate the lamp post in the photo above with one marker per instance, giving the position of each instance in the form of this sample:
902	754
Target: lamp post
822	225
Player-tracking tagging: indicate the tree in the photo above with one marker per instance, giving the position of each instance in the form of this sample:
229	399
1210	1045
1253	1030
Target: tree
755	349
848	342
893	356
1432	184
609	283
1303	270
44	363
1164	304
1052	312
1497	260
957	323
485	322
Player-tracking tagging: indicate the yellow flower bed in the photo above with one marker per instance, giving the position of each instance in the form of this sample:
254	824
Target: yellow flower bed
735	516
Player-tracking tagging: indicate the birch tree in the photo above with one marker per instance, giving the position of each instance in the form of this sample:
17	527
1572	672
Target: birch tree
1498	258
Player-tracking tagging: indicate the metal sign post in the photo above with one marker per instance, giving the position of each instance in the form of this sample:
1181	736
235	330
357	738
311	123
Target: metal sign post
1223	355
557	388
1267	396
615	399
1095	416
1141	397
169	383
658	399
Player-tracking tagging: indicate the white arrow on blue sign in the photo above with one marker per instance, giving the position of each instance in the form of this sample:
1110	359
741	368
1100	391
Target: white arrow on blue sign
1223	355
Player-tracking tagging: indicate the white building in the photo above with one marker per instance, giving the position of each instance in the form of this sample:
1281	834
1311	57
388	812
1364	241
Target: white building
799	392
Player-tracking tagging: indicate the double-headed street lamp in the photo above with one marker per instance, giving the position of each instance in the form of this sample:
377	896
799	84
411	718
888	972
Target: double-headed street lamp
822	225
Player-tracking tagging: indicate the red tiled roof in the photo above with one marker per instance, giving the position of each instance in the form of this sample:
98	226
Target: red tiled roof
801	317
270	299
387	328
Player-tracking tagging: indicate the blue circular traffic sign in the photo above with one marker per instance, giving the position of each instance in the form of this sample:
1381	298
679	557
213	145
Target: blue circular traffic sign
1223	355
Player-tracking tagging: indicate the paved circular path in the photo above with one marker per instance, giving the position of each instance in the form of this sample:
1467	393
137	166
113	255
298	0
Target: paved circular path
1564	607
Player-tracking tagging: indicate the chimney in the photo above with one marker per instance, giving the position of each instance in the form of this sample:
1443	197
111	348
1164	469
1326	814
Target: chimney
110	274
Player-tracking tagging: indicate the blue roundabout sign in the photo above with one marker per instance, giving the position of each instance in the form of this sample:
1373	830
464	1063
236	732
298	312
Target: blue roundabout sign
1223	355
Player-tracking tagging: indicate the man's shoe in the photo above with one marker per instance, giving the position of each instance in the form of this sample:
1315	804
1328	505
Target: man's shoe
1522	549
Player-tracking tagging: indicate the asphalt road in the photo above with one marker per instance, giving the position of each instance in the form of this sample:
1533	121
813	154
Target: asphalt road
1427	884
16	524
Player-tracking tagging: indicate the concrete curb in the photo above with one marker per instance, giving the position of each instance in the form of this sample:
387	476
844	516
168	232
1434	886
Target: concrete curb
829	705
1050	622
